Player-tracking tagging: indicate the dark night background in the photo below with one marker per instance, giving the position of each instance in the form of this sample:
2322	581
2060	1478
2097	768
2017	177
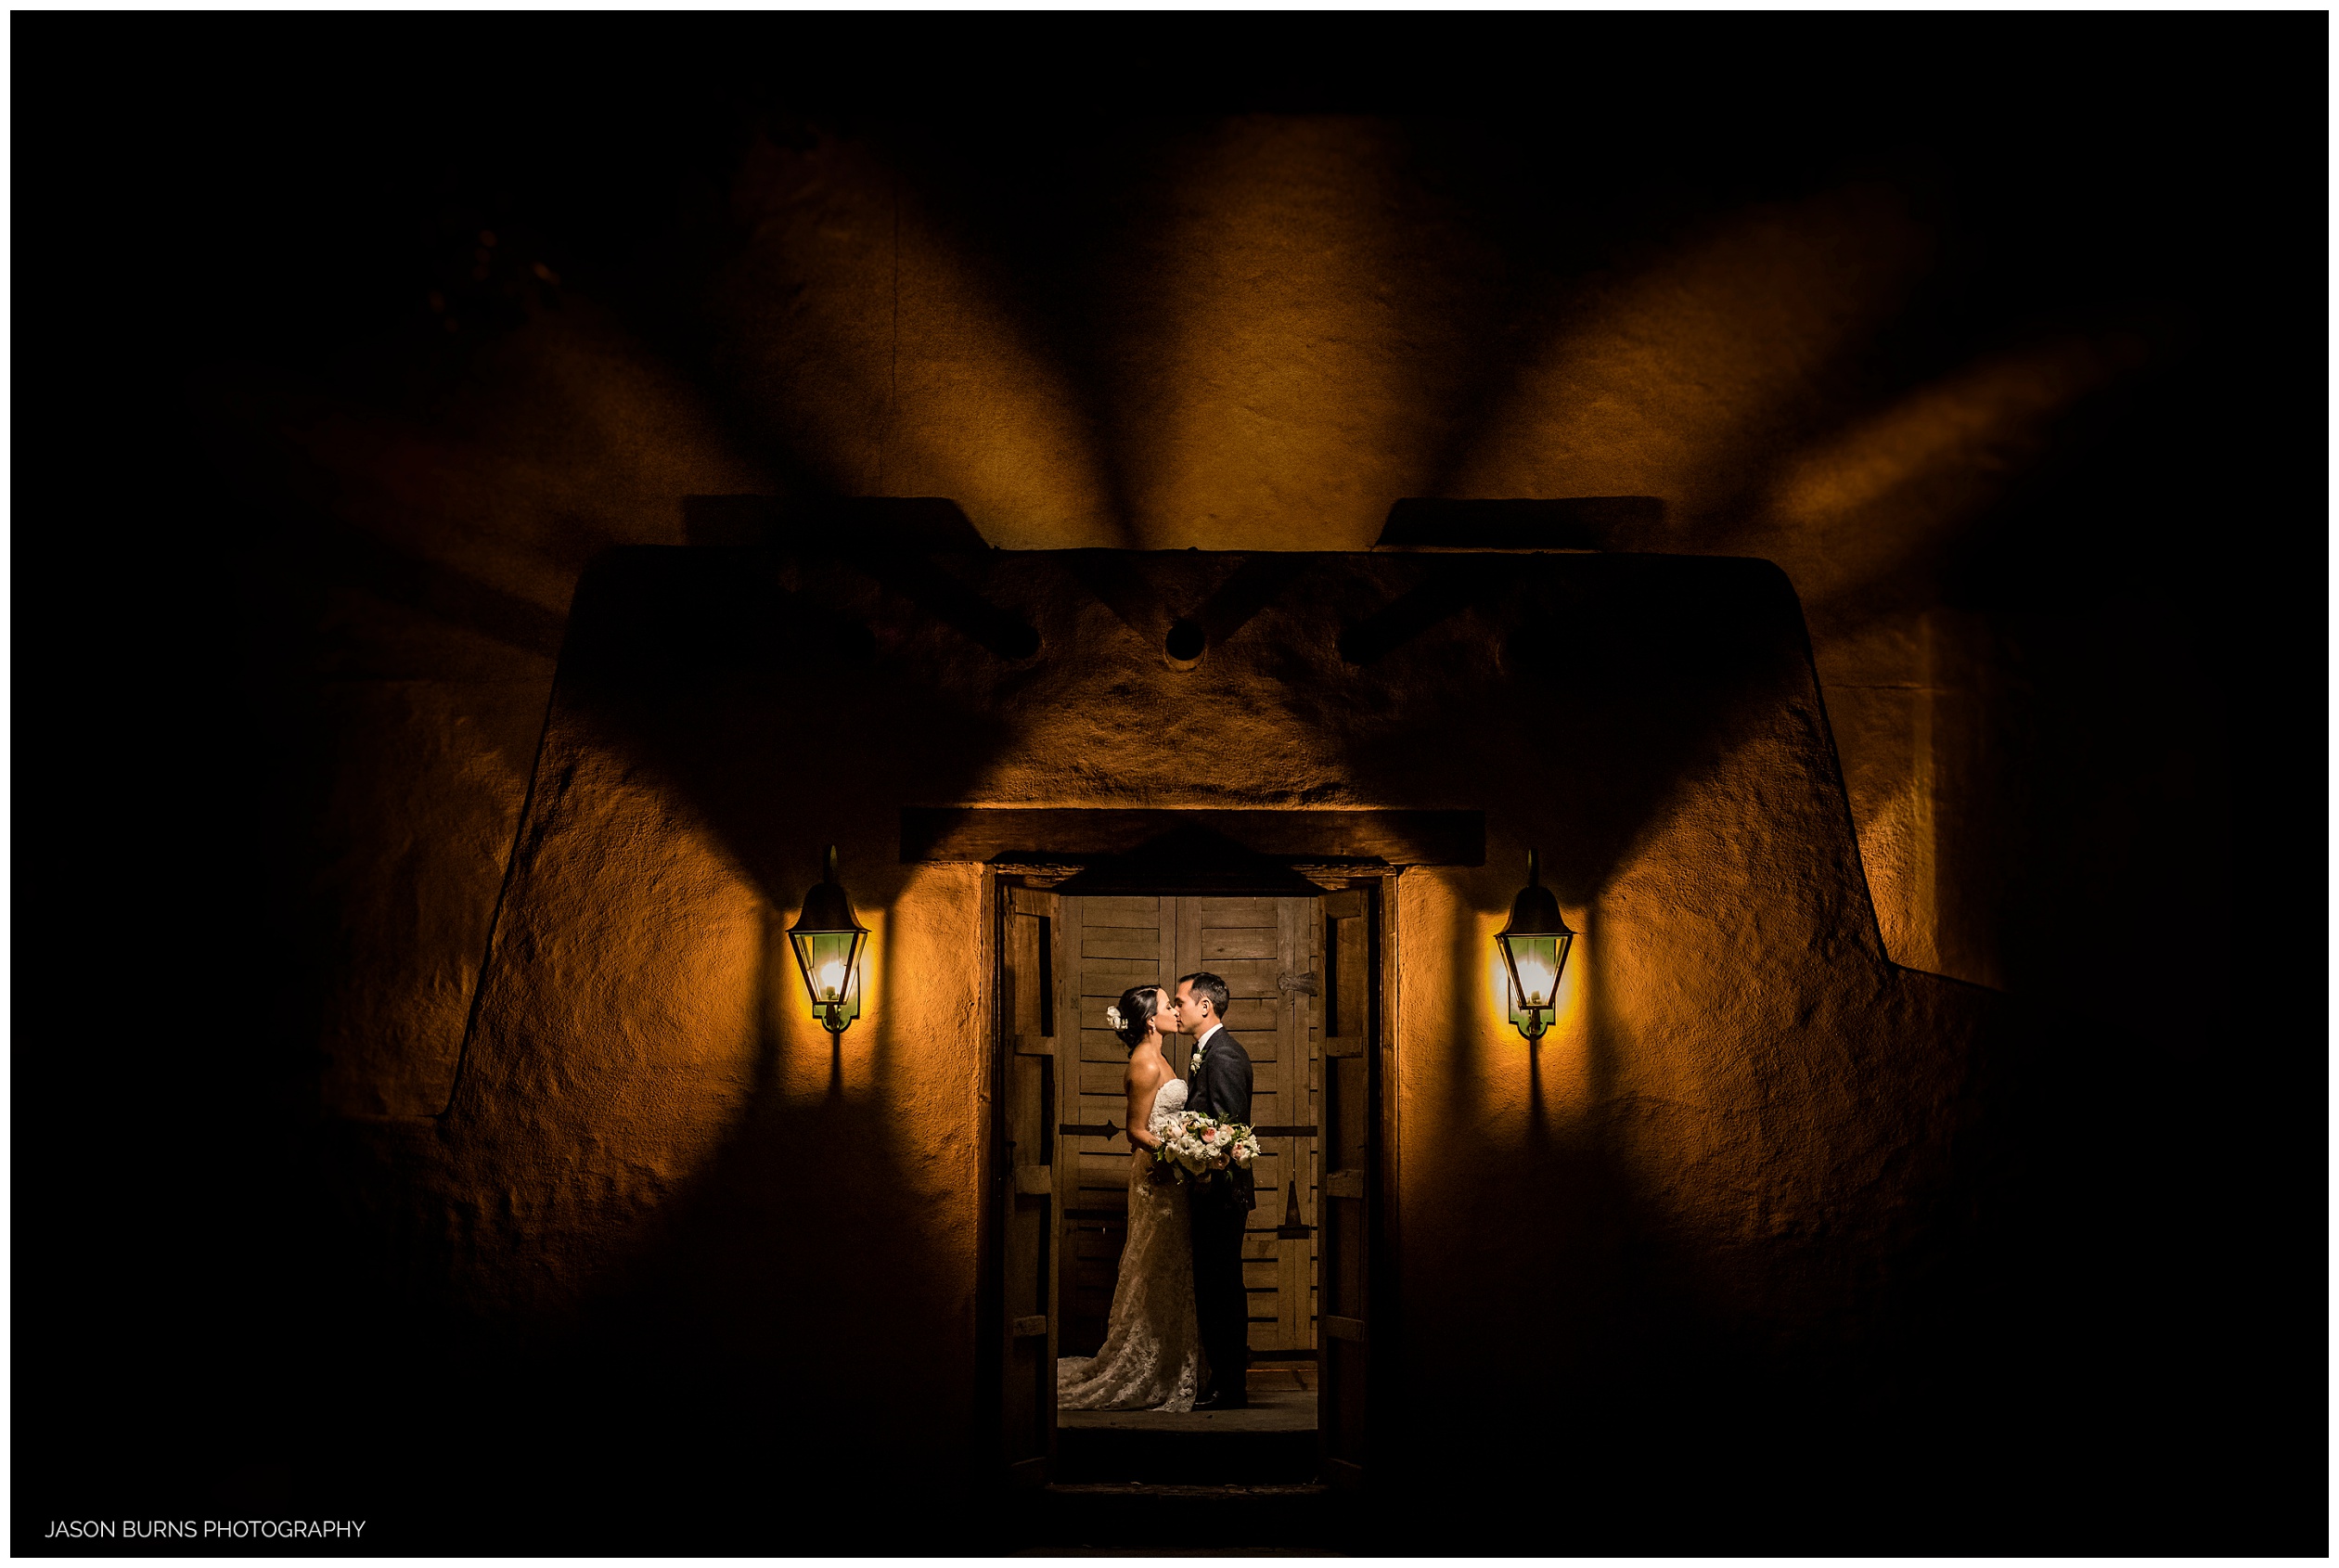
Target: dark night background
210	202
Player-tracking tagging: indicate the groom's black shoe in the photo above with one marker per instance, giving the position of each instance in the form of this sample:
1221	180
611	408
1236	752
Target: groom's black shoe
1220	1399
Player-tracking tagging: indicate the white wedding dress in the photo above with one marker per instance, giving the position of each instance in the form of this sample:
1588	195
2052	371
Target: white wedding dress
1152	1353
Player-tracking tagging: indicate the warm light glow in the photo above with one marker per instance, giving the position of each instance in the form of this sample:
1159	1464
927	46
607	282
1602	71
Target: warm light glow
1284	335
831	962
1535	962
1538	969
1852	510
1564	1003
1534	944
1664	380
941	390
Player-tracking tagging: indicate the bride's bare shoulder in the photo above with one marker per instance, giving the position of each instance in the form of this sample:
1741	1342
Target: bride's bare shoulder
1148	1072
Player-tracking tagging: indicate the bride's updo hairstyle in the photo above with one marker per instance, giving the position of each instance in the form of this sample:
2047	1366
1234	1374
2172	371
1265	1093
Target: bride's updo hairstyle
1138	1005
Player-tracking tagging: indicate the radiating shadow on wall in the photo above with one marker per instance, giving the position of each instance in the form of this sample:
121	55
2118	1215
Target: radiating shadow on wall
1595	685
701	1305
1576	692
726	1311
1954	1383
766	690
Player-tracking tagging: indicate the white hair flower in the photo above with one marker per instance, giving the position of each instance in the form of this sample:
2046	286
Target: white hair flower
1113	1017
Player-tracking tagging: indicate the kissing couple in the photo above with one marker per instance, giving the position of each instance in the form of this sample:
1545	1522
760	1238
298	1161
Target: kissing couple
1178	1337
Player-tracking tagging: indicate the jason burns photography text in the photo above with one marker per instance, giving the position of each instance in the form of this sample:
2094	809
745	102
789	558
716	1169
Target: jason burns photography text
205	1529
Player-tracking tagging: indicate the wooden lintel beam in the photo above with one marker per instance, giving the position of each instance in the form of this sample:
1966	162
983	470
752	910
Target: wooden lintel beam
1047	834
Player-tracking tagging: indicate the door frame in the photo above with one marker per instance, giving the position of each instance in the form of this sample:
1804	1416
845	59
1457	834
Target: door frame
997	1186
1383	1149
1043	871
986	1444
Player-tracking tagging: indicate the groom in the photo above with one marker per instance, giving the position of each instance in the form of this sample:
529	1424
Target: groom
1223	1200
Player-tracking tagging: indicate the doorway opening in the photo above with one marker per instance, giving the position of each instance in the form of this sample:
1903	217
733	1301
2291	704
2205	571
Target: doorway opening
1303	963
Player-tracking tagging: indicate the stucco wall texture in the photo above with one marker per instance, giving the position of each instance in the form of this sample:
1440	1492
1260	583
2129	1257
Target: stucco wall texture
1731	1148
1248	333
1959	382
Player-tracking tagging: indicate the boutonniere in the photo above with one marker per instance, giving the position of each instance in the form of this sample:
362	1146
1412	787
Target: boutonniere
1195	1064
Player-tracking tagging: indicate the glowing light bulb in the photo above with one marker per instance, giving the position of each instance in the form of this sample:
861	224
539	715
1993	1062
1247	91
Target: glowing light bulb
831	979
1535	978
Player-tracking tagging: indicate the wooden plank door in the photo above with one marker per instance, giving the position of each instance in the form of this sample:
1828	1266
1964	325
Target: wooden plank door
1259	947
1110	943
1347	1145
1302	922
1025	1180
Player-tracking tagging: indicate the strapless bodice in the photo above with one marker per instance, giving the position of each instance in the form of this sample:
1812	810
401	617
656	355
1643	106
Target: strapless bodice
1168	1100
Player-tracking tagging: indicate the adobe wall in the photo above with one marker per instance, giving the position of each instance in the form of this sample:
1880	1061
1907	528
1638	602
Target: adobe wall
655	1166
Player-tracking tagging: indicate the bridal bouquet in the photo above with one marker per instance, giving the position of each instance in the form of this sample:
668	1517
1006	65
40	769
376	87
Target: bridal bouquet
1194	1144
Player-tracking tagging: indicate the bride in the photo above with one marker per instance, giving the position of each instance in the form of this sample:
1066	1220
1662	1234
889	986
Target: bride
1151	1357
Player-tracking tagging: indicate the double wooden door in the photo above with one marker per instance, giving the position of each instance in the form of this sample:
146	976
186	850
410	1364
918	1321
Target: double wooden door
1307	1003
1264	949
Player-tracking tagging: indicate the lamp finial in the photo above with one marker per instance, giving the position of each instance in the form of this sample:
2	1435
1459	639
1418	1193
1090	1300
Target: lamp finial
828	872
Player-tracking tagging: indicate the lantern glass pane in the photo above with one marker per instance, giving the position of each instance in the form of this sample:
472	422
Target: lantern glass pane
830	974
1535	961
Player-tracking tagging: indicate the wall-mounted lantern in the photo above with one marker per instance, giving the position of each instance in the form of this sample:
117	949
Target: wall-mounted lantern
1535	949
827	939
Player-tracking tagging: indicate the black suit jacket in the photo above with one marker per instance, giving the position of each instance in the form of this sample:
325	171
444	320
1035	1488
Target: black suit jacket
1222	1087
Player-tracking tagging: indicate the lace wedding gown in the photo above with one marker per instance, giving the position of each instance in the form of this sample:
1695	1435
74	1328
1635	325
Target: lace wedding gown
1152	1354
